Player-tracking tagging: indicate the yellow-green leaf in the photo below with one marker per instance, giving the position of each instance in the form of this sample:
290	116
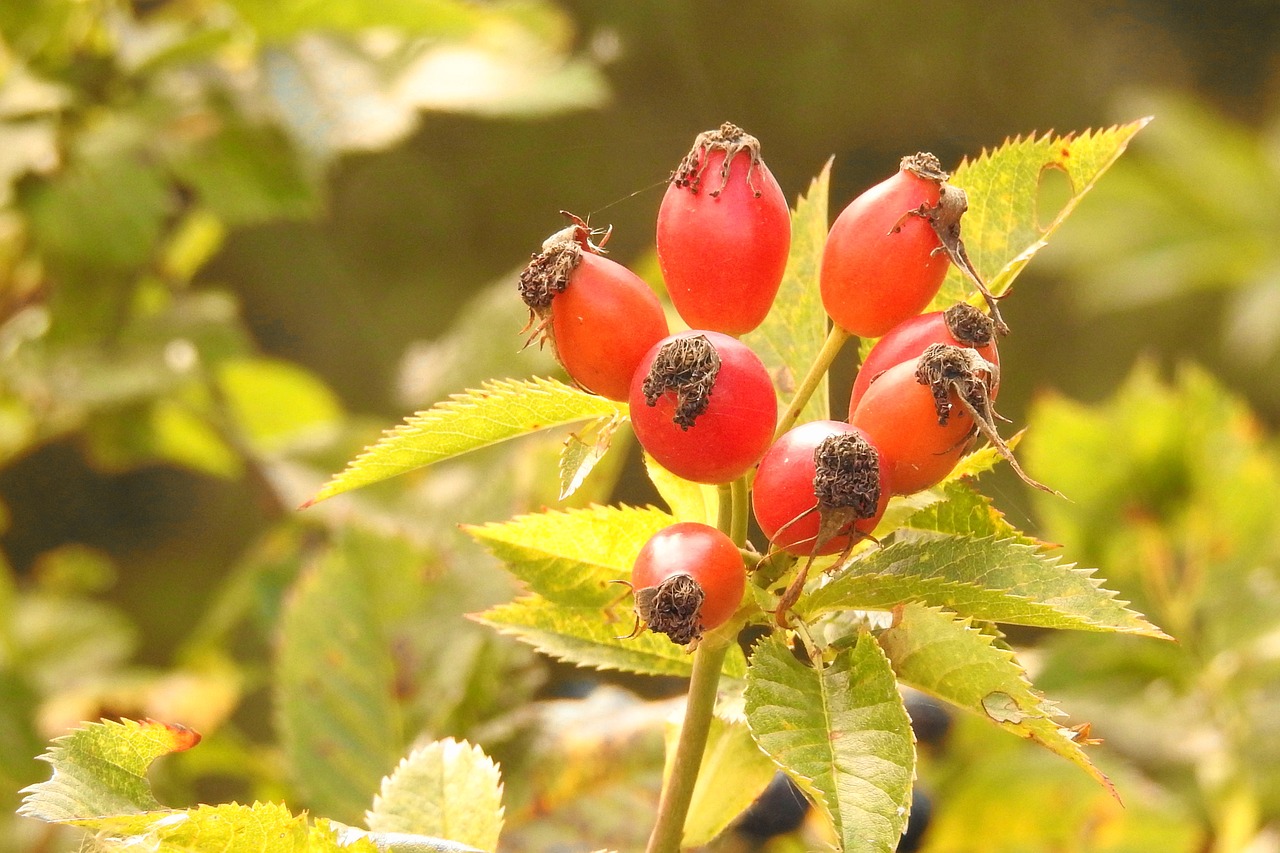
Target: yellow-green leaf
841	731
496	412
448	789
733	773
790	338
947	657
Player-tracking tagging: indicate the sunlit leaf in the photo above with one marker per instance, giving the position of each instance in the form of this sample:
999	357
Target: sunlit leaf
334	677
789	339
582	450
447	789
688	501
572	557
101	769
945	656
733	773
999	580
965	511
840	730
498	411
593	636
1005	224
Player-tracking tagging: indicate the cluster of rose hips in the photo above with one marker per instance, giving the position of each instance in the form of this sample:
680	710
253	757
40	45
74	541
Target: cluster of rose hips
703	404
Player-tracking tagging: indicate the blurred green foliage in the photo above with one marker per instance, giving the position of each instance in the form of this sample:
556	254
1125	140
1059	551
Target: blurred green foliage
207	206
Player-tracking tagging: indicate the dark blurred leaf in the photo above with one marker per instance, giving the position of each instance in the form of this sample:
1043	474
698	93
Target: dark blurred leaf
340	727
248	175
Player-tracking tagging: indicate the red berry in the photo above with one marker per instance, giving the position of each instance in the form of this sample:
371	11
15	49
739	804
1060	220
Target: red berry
883	261
703	406
819	488
913	413
960	325
688	578
600	317
724	231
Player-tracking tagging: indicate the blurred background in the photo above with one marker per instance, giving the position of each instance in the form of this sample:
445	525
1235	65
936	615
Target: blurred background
238	238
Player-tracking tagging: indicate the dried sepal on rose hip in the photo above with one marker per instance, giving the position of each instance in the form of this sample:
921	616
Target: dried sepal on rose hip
819	489
599	317
687	579
703	406
960	325
723	233
925	414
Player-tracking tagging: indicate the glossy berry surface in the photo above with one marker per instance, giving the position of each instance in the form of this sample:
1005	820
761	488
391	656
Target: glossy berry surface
723	234
961	325
688	551
603	324
881	264
785	502
599	317
703	406
899	415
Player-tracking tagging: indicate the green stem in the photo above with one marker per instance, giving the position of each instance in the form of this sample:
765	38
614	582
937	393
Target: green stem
831	347
673	808
708	660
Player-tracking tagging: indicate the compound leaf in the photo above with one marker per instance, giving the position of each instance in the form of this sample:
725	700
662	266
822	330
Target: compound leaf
497	411
840	730
946	656
1000	580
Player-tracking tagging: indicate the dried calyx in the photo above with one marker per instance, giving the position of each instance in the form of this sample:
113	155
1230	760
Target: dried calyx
688	368
925	165
728	138
968	325
549	270
959	376
672	608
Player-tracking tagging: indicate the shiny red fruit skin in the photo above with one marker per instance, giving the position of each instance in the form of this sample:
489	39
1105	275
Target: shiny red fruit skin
722	257
603	323
873	278
897	414
905	342
782	492
704	554
726	439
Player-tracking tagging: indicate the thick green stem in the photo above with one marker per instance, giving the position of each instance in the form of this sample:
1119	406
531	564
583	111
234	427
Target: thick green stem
708	660
830	349
678	791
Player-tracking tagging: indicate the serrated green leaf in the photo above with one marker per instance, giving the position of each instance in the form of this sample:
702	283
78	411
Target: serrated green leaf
340	727
842	733
733	773
999	580
228	827
446	789
964	511
582	450
590	636
790	338
101	769
945	656
687	501
498	411
572	557
1004	227
347	838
